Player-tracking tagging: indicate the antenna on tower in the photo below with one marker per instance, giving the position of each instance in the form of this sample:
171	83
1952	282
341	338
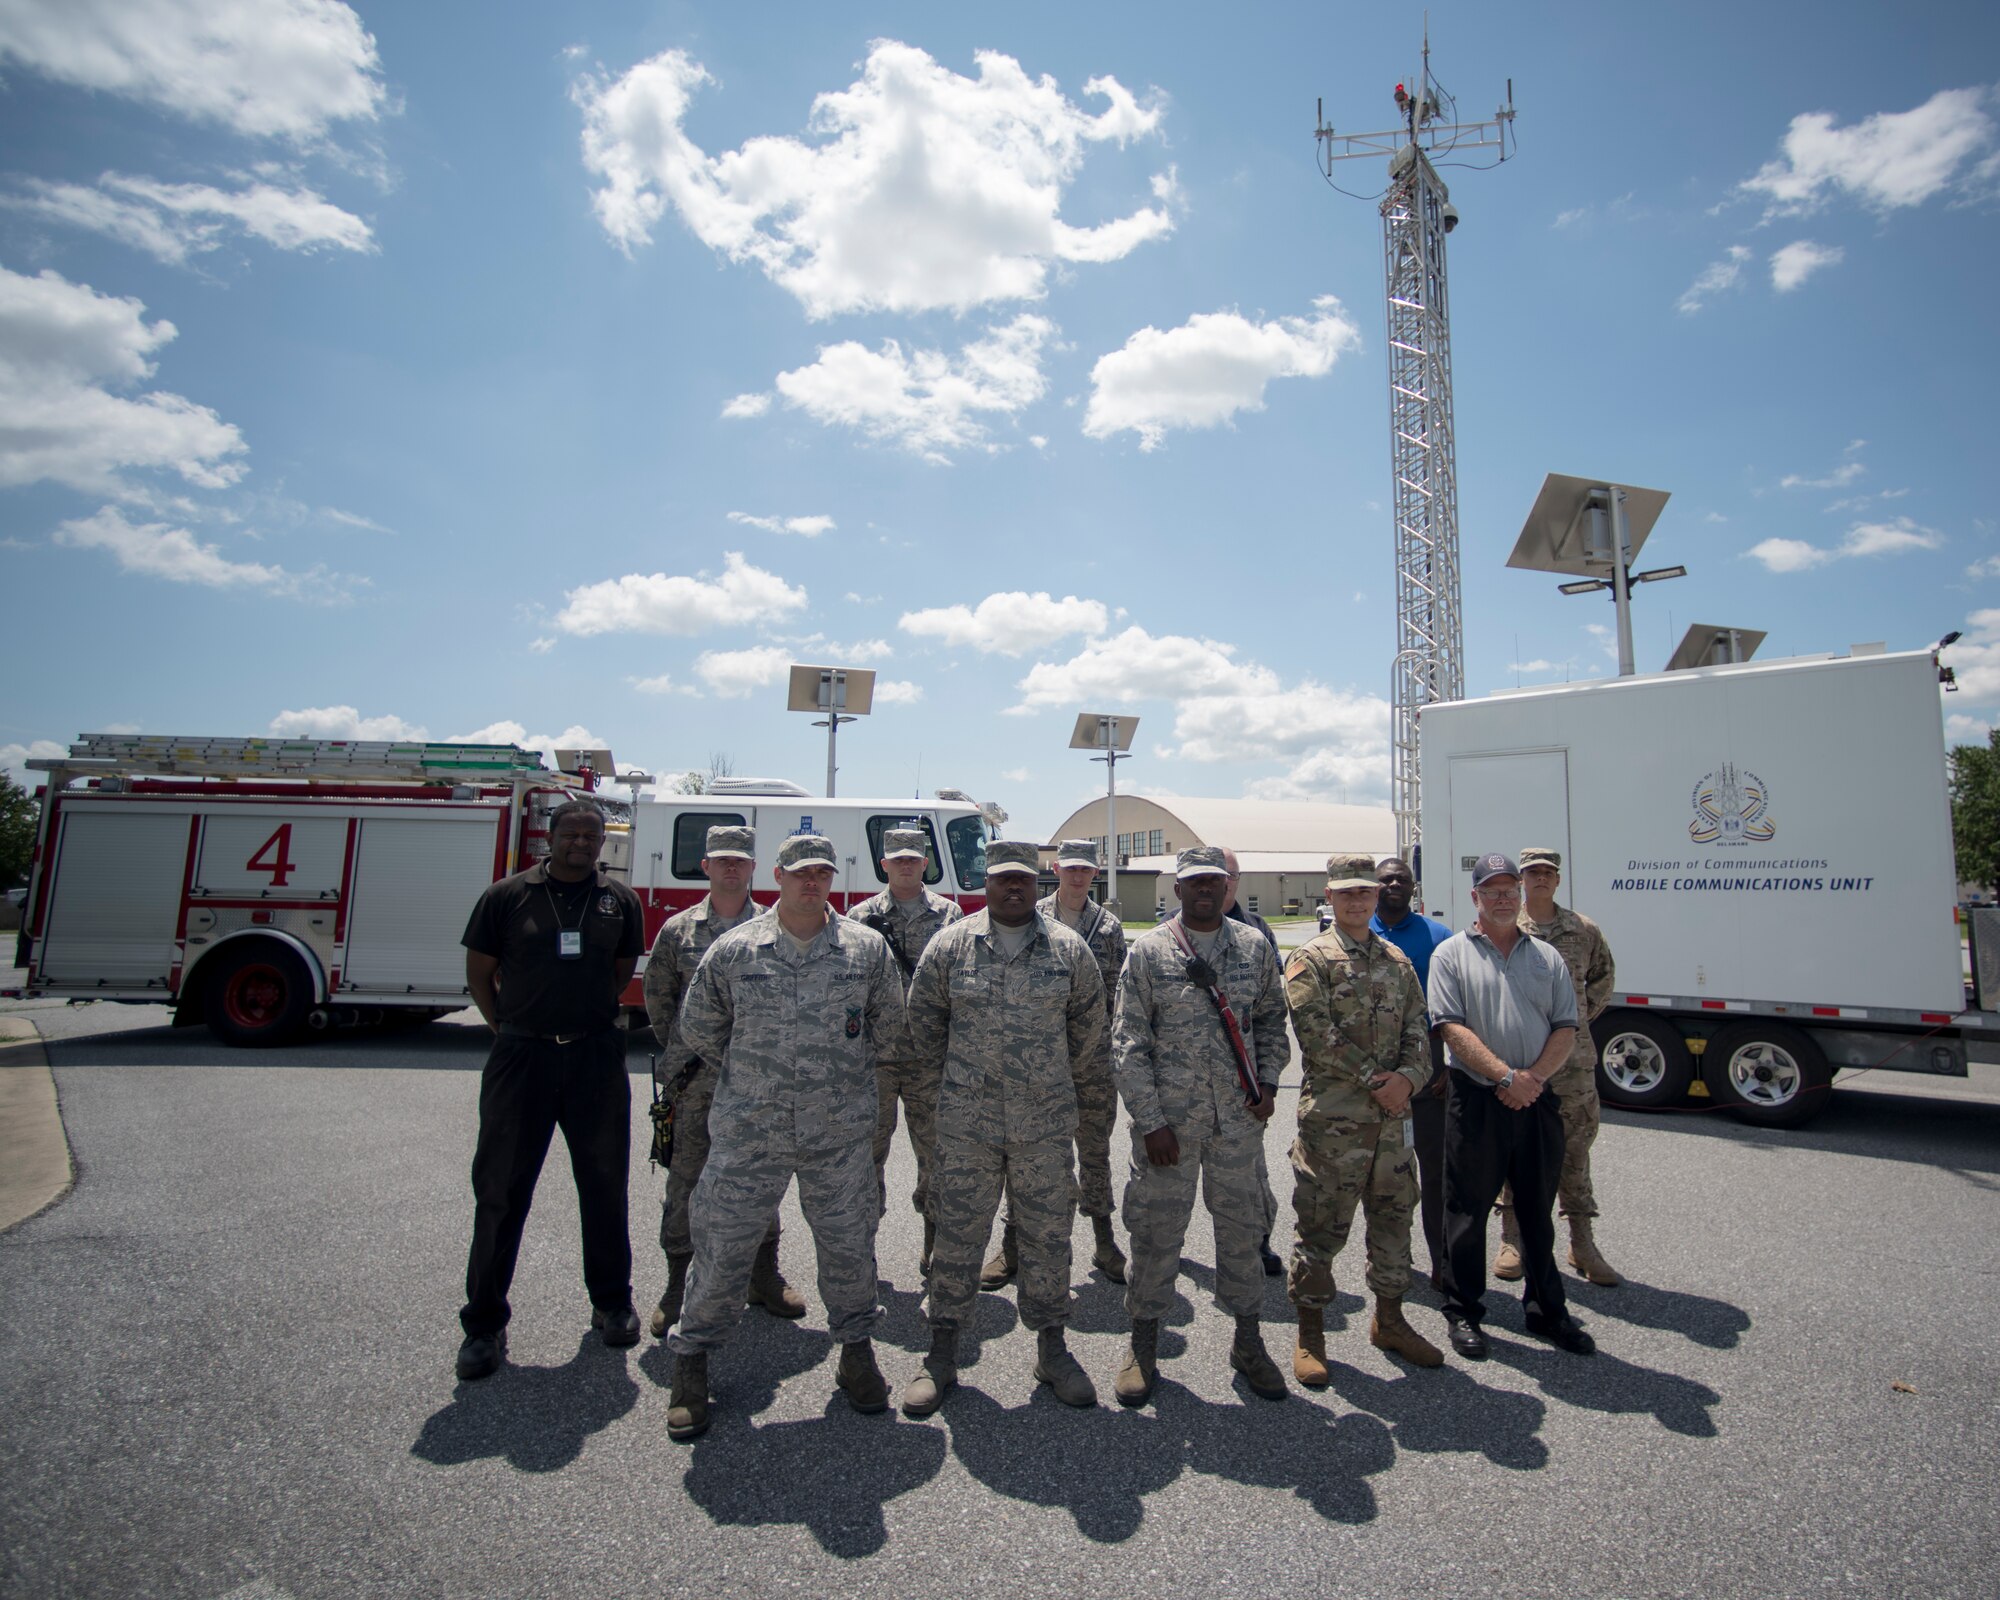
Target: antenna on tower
1417	213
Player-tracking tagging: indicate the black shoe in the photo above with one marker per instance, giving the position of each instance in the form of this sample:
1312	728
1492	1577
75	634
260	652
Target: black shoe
620	1327
481	1354
1274	1264
1563	1332
1467	1340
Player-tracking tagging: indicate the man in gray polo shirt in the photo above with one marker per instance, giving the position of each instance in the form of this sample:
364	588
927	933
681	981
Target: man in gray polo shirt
1506	1008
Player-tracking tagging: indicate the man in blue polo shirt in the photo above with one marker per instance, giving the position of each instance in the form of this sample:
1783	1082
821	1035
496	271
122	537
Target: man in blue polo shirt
1417	935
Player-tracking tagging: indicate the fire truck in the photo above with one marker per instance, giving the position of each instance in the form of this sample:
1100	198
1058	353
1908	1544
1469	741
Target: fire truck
266	887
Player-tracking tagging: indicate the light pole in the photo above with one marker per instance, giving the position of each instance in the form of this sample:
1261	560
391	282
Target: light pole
1113	735
840	693
1594	530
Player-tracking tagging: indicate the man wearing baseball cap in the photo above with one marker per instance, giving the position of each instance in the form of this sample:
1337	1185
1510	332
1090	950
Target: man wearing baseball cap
1504	1002
795	1008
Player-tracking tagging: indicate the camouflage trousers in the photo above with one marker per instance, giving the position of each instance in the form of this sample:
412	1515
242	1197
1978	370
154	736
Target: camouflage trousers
1575	1089
1266	1193
1338	1165
918	1090
690	1156
965	1191
1159	1201
1096	1113
734	1202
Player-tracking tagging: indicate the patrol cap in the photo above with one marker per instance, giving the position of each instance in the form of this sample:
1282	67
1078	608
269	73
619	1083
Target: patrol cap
905	842
802	850
1201	860
1350	872
1076	853
1012	855
1493	865
1538	856
728	841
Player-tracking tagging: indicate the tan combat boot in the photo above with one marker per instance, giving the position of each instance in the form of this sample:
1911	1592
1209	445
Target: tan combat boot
1390	1330
1003	1263
768	1287
1249	1357
1135	1380
861	1378
1108	1258
1587	1258
936	1378
1061	1371
687	1405
1309	1358
1507	1259
668	1311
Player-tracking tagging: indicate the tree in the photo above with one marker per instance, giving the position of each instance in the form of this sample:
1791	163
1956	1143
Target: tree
18	815
1975	811
720	765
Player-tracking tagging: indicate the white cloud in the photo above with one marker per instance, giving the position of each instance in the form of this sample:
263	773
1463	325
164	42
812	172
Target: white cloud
1987	567
1134	665
263	67
172	221
156	550
663	684
926	190
542	646
816	646
1957	730
747	405
924	400
1798	261
1863	539
63	348
1214	365
14	759
804	527
345	722
1839	478
348	519
733	674
1889	160
1017	775
656	603
1539	664
574	737
1012	623
1713	279
1975	659
897	692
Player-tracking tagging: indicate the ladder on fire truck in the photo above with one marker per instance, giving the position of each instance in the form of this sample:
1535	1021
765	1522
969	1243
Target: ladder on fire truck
313	760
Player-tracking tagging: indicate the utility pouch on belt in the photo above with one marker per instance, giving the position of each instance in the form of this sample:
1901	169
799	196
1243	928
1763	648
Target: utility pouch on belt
662	1110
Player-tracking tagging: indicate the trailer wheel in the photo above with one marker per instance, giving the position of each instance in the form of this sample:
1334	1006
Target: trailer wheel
1642	1062
1768	1074
259	994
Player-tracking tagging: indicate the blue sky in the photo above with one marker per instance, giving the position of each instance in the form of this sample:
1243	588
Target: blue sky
541	372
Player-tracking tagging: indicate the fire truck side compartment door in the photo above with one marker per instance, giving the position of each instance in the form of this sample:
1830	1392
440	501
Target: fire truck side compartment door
117	897
415	881
283	853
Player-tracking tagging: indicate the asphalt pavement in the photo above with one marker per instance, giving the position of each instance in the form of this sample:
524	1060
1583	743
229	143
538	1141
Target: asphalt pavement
225	1370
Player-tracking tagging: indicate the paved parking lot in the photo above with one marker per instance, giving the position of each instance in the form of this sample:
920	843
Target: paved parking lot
225	1369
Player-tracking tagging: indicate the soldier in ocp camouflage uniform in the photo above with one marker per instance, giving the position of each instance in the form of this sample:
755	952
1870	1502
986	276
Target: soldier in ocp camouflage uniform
1364	1035
1008	1010
1177	1073
728	861
1580	942
796	1008
908	916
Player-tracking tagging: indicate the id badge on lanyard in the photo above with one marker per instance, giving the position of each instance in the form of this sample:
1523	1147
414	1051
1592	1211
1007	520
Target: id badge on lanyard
569	943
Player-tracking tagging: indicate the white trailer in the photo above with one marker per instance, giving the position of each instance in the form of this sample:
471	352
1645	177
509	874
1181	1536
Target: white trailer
1767	846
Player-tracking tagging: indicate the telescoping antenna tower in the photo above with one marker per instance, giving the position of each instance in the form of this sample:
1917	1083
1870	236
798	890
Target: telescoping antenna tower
1417	213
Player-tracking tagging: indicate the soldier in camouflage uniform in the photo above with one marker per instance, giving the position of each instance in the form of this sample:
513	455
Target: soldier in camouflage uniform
1097	1103
909	916
1177	1070
1364	1035
728	862
796	1008
1008	1010
1580	942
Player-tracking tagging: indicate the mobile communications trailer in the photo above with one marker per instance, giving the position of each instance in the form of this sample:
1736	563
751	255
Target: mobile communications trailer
1767	846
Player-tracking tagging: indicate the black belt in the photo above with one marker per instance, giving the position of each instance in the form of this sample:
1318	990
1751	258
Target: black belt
508	1030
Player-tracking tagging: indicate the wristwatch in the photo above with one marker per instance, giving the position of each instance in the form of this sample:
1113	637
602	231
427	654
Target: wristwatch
1506	1081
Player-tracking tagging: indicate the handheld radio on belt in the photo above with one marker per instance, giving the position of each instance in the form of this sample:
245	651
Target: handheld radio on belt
662	1109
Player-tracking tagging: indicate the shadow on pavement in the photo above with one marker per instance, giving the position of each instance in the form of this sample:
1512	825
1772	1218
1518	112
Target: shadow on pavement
537	1418
1714	1323
1603	1382
1445	1411
746	1373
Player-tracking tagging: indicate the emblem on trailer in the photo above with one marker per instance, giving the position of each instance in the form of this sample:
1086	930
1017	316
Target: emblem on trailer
1731	807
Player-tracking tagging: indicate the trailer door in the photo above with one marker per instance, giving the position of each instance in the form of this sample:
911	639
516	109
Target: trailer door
415	881
117	898
1498	802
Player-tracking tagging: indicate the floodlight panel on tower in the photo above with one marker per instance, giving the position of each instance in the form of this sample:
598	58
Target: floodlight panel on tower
1707	644
1093	727
1558	535
599	762
848	690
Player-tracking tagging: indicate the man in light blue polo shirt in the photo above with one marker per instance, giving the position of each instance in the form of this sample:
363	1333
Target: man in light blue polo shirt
1505	1005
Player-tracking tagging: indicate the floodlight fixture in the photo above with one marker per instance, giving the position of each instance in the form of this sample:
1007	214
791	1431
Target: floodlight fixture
841	693
1658	574
1593	529
1113	735
1583	586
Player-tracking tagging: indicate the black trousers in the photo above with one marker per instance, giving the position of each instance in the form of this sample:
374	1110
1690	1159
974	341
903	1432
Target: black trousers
1427	1118
1485	1145
531	1087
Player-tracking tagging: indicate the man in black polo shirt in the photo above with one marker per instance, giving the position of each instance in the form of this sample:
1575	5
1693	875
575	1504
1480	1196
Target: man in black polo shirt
548	952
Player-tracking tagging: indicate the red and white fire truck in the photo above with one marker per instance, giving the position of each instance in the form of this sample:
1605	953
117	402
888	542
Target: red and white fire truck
267	886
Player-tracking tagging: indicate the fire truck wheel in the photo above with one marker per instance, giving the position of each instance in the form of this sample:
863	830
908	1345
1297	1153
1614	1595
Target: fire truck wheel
259	994
1642	1062
1767	1074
